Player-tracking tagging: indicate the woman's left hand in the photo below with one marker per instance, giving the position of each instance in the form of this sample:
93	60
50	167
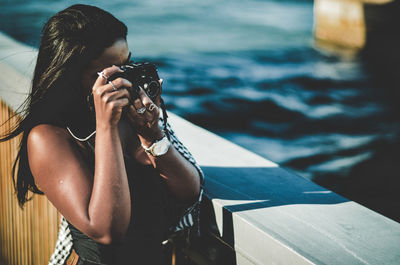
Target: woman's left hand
143	115
182	178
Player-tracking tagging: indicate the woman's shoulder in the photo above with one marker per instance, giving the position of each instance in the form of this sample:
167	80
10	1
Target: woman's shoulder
44	134
46	139
52	155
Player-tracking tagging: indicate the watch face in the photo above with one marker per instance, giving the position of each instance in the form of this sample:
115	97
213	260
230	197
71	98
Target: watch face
161	147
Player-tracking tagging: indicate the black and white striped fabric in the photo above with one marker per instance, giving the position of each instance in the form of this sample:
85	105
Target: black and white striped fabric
189	219
191	216
63	245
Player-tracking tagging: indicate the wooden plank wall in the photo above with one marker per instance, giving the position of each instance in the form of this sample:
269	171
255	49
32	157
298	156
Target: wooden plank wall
27	236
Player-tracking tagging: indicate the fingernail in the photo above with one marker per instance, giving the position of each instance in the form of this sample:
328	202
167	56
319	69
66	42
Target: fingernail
119	68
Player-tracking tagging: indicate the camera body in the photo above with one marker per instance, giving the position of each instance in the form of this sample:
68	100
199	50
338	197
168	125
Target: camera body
142	74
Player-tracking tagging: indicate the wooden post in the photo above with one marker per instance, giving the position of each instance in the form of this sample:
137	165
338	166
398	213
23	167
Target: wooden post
339	22
343	24
27	236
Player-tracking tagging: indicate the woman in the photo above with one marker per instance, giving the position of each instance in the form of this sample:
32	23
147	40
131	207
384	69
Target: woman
108	168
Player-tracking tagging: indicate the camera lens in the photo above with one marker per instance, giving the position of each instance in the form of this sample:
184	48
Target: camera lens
153	88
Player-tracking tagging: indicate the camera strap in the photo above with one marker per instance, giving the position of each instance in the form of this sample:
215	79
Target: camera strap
165	116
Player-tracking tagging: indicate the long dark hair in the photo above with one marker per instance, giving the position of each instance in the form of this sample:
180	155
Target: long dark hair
71	39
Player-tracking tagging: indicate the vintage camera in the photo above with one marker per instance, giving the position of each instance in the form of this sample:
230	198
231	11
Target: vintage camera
144	75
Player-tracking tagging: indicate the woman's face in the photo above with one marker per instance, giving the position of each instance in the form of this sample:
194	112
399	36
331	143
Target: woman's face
117	54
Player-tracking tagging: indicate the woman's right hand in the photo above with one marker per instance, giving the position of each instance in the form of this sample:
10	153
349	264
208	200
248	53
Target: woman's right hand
109	99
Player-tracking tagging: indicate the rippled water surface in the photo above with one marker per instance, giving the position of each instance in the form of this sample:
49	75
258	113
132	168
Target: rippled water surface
248	71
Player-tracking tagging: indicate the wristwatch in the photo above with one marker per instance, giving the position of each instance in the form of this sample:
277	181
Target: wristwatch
159	147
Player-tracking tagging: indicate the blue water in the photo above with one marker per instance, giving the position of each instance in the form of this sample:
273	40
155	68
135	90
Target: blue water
248	70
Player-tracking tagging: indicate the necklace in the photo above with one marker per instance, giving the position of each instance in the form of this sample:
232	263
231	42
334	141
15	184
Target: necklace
81	139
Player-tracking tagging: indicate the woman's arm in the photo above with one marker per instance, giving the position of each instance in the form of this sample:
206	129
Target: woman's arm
98	205
182	178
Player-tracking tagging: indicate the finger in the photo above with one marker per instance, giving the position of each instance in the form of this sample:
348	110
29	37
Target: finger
151	108
136	118
153	113
122	93
157	100
161	81
118	83
137	103
149	116
144	98
141	110
120	103
105	74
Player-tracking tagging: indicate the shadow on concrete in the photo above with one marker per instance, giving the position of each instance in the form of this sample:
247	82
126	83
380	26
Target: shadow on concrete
263	187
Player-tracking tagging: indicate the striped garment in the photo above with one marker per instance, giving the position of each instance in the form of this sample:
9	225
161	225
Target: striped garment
189	220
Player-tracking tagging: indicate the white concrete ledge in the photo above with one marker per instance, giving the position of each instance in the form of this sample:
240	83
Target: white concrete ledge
267	214
17	62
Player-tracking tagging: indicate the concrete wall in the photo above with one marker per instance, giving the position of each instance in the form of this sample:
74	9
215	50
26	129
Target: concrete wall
259	212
